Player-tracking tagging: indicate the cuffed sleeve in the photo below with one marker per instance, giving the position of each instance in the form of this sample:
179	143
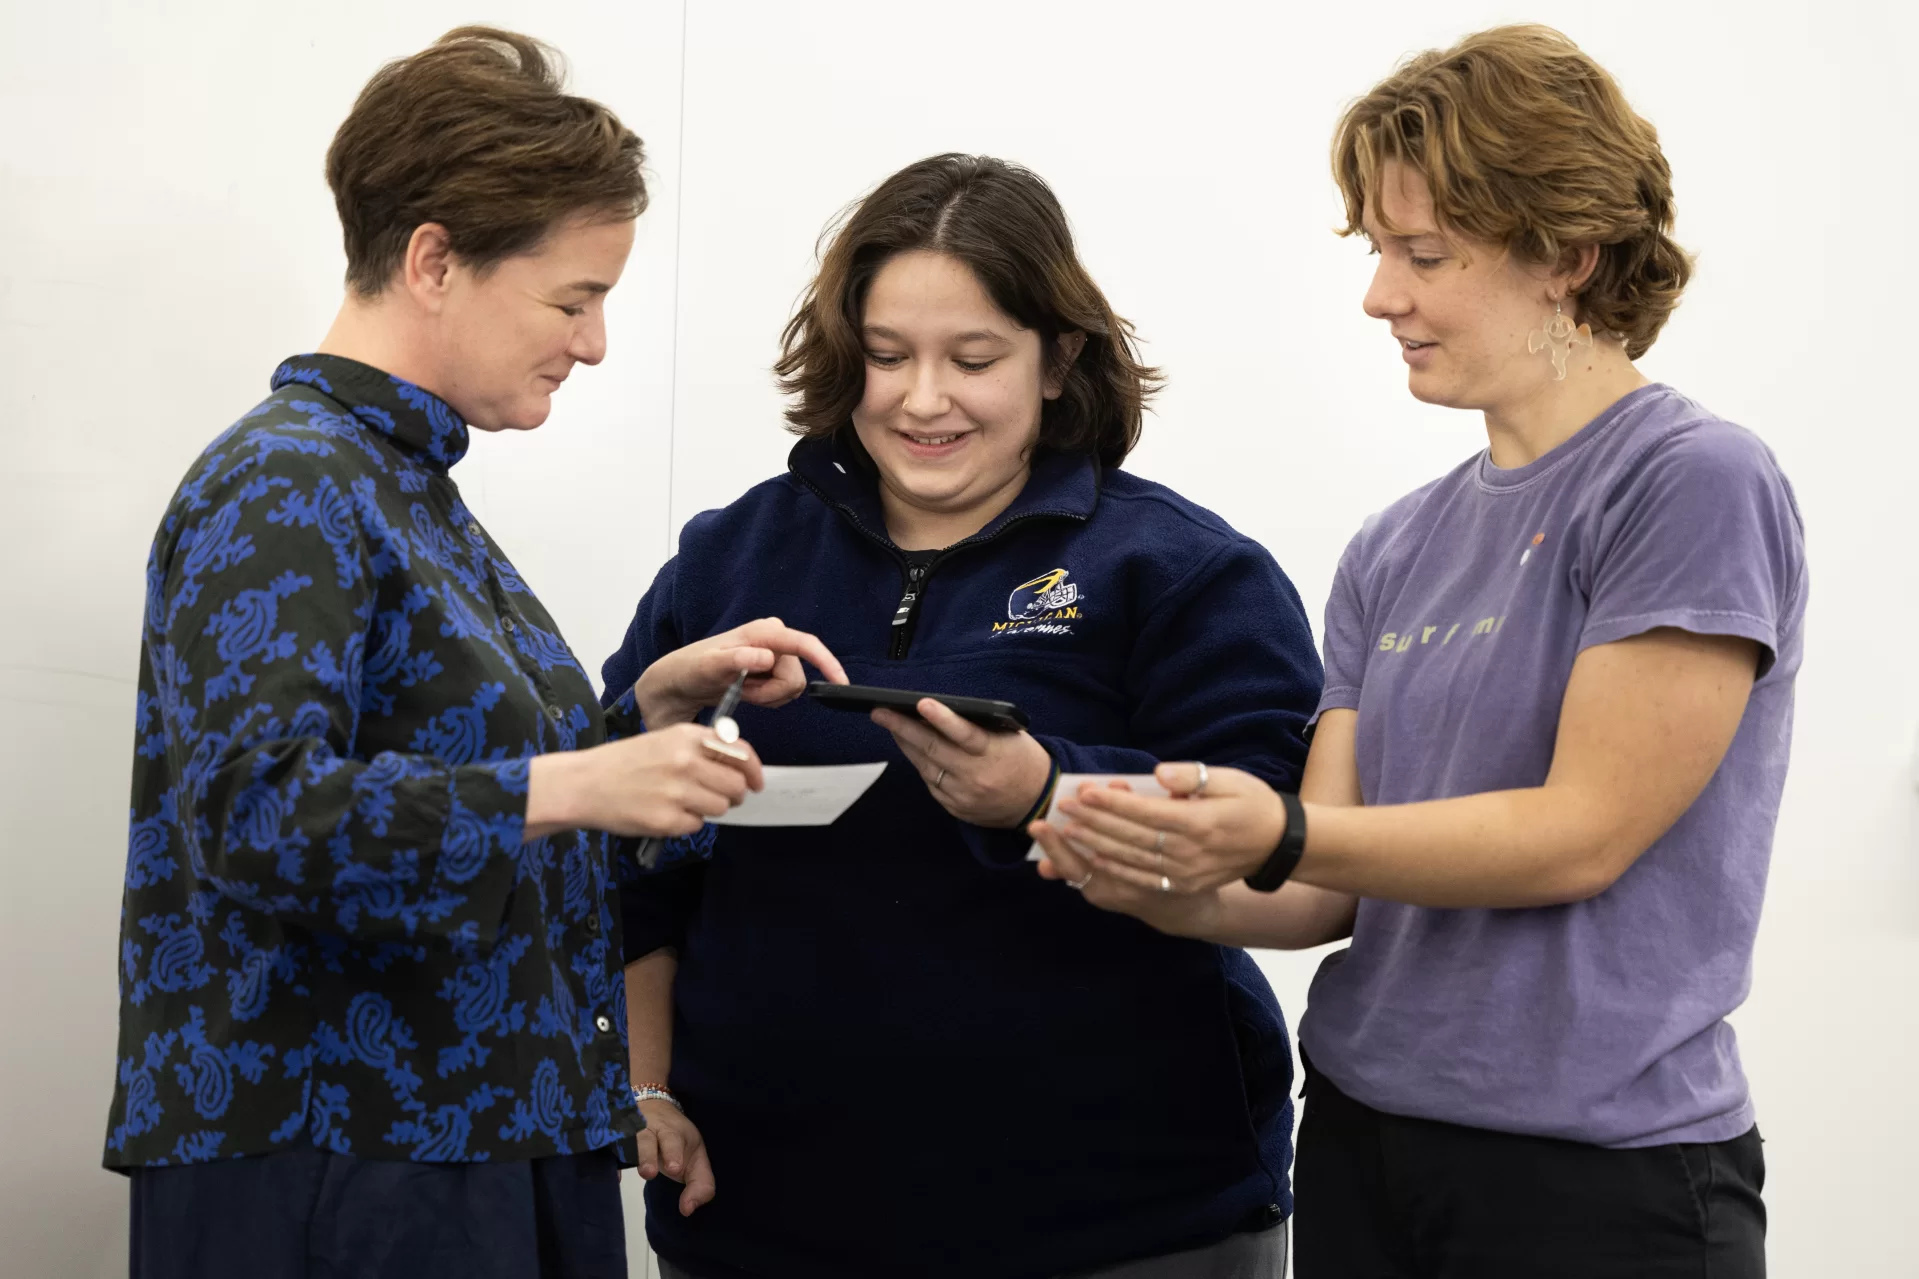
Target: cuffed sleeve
1703	537
263	627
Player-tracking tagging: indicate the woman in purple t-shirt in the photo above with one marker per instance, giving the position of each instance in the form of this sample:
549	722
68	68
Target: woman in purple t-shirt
1553	736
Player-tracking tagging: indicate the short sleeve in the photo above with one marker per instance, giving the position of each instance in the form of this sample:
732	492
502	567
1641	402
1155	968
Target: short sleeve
1703	536
1346	646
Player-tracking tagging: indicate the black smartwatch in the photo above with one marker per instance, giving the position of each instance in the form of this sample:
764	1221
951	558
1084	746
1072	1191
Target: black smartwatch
1285	857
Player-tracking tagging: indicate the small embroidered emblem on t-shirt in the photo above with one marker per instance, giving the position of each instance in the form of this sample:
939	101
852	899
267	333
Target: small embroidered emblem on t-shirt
1528	552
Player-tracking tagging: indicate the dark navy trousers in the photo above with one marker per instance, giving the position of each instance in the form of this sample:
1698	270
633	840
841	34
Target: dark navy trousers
312	1214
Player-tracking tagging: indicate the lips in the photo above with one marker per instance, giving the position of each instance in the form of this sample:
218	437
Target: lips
1414	351
932	446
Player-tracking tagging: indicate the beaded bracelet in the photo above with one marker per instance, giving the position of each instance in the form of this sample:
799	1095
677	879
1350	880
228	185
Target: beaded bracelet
649	1092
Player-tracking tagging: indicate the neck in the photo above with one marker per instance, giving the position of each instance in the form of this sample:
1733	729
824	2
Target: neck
374	332
1529	427
919	528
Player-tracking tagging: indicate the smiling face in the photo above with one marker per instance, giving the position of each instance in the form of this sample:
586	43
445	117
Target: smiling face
506	338
951	408
1461	310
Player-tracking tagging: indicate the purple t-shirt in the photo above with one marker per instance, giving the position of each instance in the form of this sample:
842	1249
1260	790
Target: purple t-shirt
1452	628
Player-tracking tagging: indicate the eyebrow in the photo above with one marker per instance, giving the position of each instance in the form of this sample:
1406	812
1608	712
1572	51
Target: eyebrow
974	335
590	286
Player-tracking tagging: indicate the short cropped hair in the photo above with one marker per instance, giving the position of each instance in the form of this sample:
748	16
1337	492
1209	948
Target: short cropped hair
1526	142
1004	223
474	133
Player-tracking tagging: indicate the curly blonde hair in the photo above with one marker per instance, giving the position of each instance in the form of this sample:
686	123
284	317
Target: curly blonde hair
1527	143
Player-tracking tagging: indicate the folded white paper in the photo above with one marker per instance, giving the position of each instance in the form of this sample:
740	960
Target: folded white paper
804	796
1069	784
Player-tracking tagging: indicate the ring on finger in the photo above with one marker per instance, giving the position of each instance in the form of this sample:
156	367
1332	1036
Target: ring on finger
1165	884
1159	844
1203	779
1080	883
938	779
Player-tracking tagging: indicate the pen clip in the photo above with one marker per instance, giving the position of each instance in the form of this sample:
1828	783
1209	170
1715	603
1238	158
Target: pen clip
724	726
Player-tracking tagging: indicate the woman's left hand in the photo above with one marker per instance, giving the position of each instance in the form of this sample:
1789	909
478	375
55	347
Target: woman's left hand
1200	840
988	779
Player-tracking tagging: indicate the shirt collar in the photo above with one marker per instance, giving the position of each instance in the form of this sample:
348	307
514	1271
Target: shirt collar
839	470
408	415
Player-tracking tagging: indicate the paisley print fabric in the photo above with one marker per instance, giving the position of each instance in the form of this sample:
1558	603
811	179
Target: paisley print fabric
334	932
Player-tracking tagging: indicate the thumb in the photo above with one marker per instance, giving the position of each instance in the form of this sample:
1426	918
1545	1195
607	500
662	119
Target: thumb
748	658
700	1186
1182	779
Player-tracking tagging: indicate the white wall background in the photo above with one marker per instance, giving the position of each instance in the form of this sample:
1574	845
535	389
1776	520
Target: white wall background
166	236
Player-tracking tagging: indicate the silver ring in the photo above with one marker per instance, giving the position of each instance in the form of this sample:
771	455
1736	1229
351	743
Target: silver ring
1165	884
1159	844
1203	779
939	779
1080	883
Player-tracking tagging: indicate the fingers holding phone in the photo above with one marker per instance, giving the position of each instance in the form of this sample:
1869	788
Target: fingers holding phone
990	779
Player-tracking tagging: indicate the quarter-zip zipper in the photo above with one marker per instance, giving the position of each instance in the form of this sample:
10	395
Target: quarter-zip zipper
908	611
916	576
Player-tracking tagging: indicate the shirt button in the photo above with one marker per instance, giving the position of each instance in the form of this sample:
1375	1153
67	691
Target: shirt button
555	714
473	530
509	625
592	923
603	1023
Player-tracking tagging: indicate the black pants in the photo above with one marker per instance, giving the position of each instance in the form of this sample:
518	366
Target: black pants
1378	1196
311	1214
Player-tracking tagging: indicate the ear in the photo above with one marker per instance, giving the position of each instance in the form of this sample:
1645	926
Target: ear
427	269
1066	350
1579	265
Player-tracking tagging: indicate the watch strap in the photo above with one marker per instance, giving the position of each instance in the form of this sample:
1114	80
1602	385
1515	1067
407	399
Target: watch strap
1285	858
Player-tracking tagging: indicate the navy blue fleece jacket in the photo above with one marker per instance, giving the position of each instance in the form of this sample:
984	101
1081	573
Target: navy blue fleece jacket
907	1052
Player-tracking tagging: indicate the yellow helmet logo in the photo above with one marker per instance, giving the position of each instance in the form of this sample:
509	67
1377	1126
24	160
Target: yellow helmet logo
1043	594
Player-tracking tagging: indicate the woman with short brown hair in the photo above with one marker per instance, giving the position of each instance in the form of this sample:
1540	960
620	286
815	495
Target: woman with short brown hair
1550	750
370	1015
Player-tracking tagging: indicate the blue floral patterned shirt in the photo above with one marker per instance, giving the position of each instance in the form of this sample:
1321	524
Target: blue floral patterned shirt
334	931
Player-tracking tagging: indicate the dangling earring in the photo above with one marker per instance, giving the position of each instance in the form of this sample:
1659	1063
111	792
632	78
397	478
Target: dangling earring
1559	336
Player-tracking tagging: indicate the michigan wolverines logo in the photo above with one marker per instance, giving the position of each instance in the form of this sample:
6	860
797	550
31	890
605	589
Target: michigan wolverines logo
1048	605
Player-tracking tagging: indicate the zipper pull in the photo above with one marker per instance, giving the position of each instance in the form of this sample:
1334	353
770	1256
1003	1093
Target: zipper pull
903	615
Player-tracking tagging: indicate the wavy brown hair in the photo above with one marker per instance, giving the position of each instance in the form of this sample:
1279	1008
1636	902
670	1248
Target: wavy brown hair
1527	143
477	134
1004	223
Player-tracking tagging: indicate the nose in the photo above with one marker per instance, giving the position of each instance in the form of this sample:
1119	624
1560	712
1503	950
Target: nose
925	396
1386	297
589	338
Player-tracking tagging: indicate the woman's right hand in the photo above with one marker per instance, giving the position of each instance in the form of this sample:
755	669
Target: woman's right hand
689	679
671	1144
665	783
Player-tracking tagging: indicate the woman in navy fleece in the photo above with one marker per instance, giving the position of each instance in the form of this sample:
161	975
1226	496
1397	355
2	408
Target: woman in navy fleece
897	1050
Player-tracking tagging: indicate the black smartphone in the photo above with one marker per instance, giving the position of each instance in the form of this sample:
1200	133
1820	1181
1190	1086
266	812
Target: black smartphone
1000	717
